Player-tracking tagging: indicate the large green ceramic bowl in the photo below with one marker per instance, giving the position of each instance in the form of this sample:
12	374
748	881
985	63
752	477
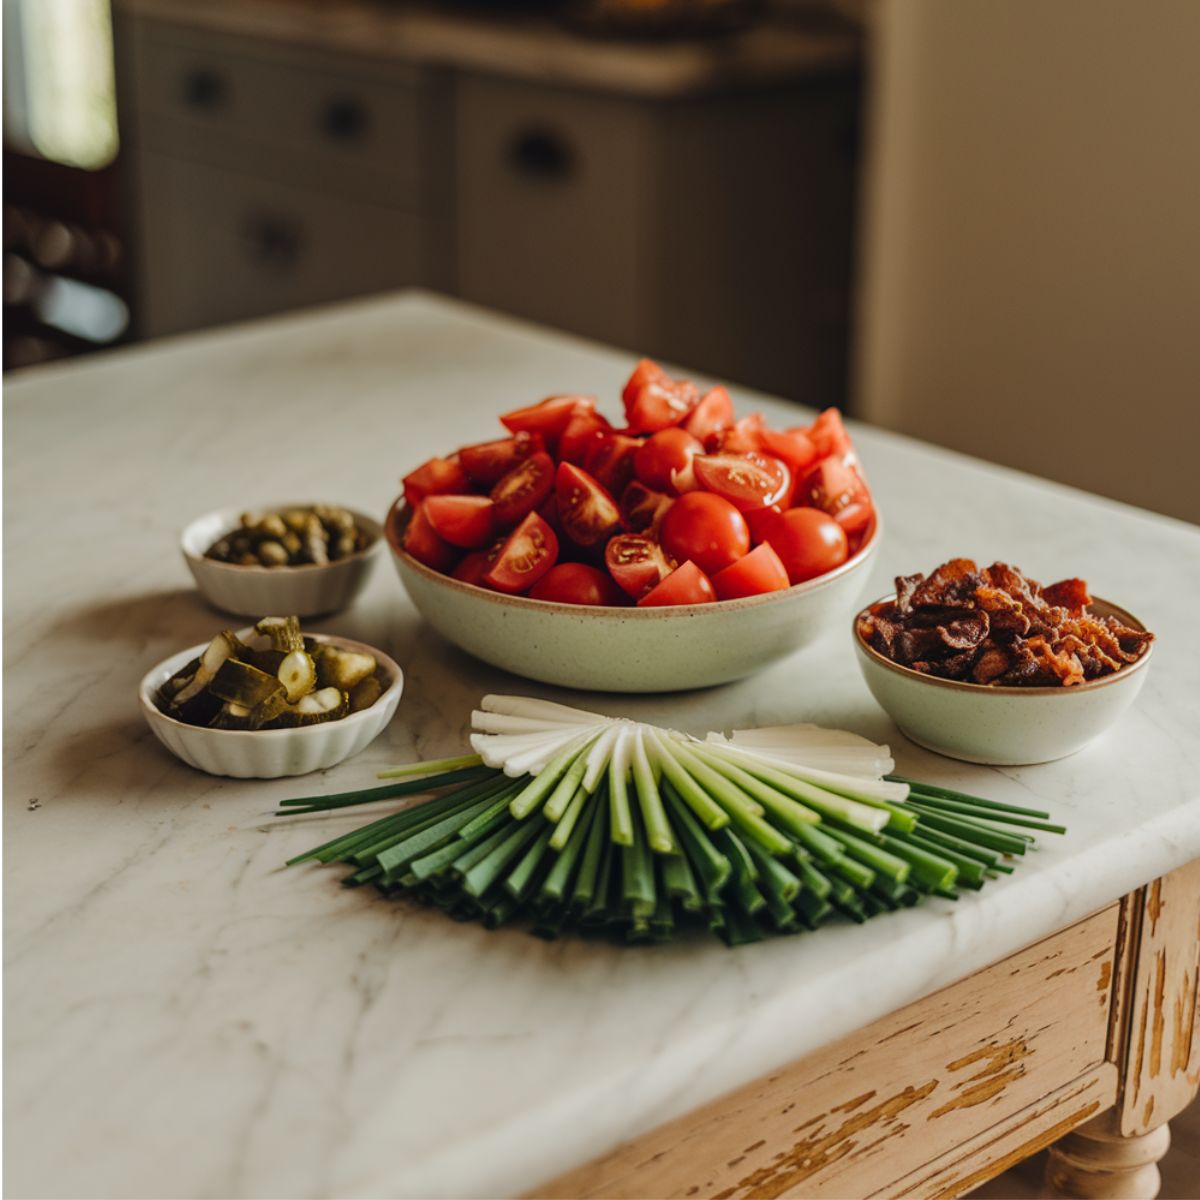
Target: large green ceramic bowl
631	649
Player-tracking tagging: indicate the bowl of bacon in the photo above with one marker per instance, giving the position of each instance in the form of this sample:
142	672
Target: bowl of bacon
988	666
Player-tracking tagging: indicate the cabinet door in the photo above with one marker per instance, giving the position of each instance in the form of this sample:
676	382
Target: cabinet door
220	246
549	206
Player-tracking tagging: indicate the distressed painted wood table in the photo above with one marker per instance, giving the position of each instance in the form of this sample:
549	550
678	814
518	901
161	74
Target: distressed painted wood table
185	1019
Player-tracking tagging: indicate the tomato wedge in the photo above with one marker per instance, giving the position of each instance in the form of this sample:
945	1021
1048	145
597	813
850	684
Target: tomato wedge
636	562
808	542
792	446
464	521
711	415
743	437
755	575
424	545
685	585
432	478
488	462
478	563
837	489
577	583
829	436
654	401
588	514
549	418
747	481
523	489
666	454
642	508
582	430
610	460
707	529
530	551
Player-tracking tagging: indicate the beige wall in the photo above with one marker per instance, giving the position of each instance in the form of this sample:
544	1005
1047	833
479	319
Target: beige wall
1031	264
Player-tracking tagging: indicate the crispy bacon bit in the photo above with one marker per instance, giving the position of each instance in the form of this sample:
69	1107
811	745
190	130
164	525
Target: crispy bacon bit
1000	628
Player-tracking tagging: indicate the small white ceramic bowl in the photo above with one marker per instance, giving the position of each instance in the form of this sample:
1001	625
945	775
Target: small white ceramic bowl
305	591
272	753
630	649
1000	726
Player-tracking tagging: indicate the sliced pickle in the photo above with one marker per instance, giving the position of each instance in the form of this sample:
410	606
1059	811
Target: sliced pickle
221	649
232	716
329	704
265	660
198	710
284	633
167	692
297	674
240	683
343	668
365	693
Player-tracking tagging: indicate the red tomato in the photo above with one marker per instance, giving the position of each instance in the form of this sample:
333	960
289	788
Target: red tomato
582	430
464	521
523	489
747	481
609	460
792	446
529	552
642	508
478	563
808	543
759	572
636	562
588	514
837	489
707	529
577	583
425	545
685	585
654	401
829	436
488	462
759	519
432	478
711	415
660	457
744	437
550	418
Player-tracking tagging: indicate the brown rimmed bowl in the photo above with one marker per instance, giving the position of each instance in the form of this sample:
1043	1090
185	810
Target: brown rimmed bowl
630	649
1000	726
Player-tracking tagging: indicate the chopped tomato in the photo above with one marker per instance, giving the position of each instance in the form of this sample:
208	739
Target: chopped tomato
642	508
488	462
759	572
654	401
577	583
636	562
549	418
646	371
711	415
837	489
685	585
478	563
747	481
759	520
529	552
432	478
667	454
464	521
829	436
707	529
610	460
744	437
582	430
424	545
792	446
523	489
808	542
588	514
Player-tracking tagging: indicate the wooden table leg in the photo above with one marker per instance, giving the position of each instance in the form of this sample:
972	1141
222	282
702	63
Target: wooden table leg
1115	1156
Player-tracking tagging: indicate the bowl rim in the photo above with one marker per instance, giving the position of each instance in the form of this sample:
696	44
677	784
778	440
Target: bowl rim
984	689
154	677
229	516
397	517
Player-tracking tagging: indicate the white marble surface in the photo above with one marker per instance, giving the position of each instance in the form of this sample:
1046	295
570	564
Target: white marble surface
185	1019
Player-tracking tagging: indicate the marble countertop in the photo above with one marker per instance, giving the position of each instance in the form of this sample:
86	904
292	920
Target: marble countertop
791	43
185	1019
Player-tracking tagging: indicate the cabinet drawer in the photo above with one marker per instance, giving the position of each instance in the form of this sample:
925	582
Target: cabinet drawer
220	246
334	123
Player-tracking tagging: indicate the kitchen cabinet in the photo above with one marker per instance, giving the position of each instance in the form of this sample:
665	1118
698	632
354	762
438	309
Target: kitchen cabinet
691	202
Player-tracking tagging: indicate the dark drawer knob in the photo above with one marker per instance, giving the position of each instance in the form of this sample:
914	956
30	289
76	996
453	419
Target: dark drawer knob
345	120
205	90
273	241
541	154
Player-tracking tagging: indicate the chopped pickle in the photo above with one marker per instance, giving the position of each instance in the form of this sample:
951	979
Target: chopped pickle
231	716
342	668
329	704
296	537
365	693
240	683
297	674
284	633
223	647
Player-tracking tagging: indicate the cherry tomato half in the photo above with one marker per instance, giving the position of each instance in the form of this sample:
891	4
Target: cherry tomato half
643	509
667	453
478	563
744	437
808	542
530	551
577	583
685	585
424	544
759	572
829	436
707	529
711	415
488	462
586	511
582	430
549	418
792	446
837	489
465	521
432	478
654	401
609	460
747	481
523	489
636	562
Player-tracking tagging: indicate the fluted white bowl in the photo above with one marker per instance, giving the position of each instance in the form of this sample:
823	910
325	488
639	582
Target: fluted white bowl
310	590
272	753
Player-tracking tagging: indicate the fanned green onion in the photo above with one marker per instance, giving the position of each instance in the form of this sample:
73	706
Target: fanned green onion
929	789
918	800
